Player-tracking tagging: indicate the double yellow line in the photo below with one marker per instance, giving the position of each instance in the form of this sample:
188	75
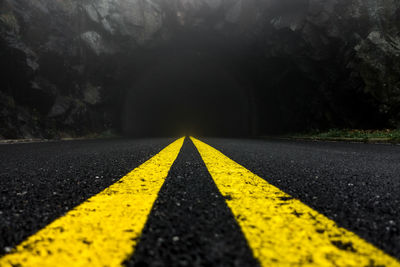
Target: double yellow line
280	230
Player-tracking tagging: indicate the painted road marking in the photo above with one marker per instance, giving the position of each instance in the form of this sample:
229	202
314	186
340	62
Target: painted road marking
104	230
283	231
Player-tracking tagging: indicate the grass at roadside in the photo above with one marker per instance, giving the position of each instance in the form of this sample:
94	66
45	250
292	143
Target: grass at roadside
63	136
384	136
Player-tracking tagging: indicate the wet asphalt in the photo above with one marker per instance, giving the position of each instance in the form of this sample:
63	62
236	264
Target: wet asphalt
356	185
190	224
39	182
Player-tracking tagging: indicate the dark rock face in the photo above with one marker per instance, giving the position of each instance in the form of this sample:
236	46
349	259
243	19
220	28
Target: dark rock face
75	67
346	51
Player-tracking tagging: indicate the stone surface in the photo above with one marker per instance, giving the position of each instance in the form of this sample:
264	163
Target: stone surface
345	53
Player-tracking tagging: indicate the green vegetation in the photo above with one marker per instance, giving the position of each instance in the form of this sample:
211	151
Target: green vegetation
386	135
10	21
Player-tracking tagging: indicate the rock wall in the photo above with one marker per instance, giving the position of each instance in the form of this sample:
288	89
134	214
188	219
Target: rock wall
67	65
349	53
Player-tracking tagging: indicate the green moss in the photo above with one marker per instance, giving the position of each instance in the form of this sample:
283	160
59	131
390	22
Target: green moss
10	21
385	135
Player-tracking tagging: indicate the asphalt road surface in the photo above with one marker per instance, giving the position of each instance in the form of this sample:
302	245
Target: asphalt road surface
198	216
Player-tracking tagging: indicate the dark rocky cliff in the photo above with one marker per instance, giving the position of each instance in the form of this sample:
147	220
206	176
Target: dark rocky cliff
73	67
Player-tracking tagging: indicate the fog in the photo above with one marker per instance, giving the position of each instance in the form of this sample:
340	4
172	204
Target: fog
220	68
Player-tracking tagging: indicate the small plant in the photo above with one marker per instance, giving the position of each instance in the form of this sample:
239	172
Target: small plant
10	21
384	135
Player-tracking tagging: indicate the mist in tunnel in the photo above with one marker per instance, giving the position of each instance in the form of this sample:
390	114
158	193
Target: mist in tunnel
187	92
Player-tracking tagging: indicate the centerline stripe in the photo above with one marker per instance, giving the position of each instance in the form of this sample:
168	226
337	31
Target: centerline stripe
104	230
281	230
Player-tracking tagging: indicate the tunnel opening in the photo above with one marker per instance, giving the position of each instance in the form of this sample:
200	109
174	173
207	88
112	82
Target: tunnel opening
188	88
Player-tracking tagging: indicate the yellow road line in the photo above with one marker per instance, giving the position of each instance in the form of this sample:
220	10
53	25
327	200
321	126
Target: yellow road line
104	230
283	231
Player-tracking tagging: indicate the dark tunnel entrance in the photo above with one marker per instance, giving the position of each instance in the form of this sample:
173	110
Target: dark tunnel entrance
187	92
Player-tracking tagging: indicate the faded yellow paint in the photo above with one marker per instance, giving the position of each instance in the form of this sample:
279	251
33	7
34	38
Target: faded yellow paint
104	230
283	231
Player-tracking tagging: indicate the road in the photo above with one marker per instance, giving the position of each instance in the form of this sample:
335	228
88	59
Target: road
257	203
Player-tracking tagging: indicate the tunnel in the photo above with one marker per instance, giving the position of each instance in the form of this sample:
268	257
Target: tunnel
188	88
